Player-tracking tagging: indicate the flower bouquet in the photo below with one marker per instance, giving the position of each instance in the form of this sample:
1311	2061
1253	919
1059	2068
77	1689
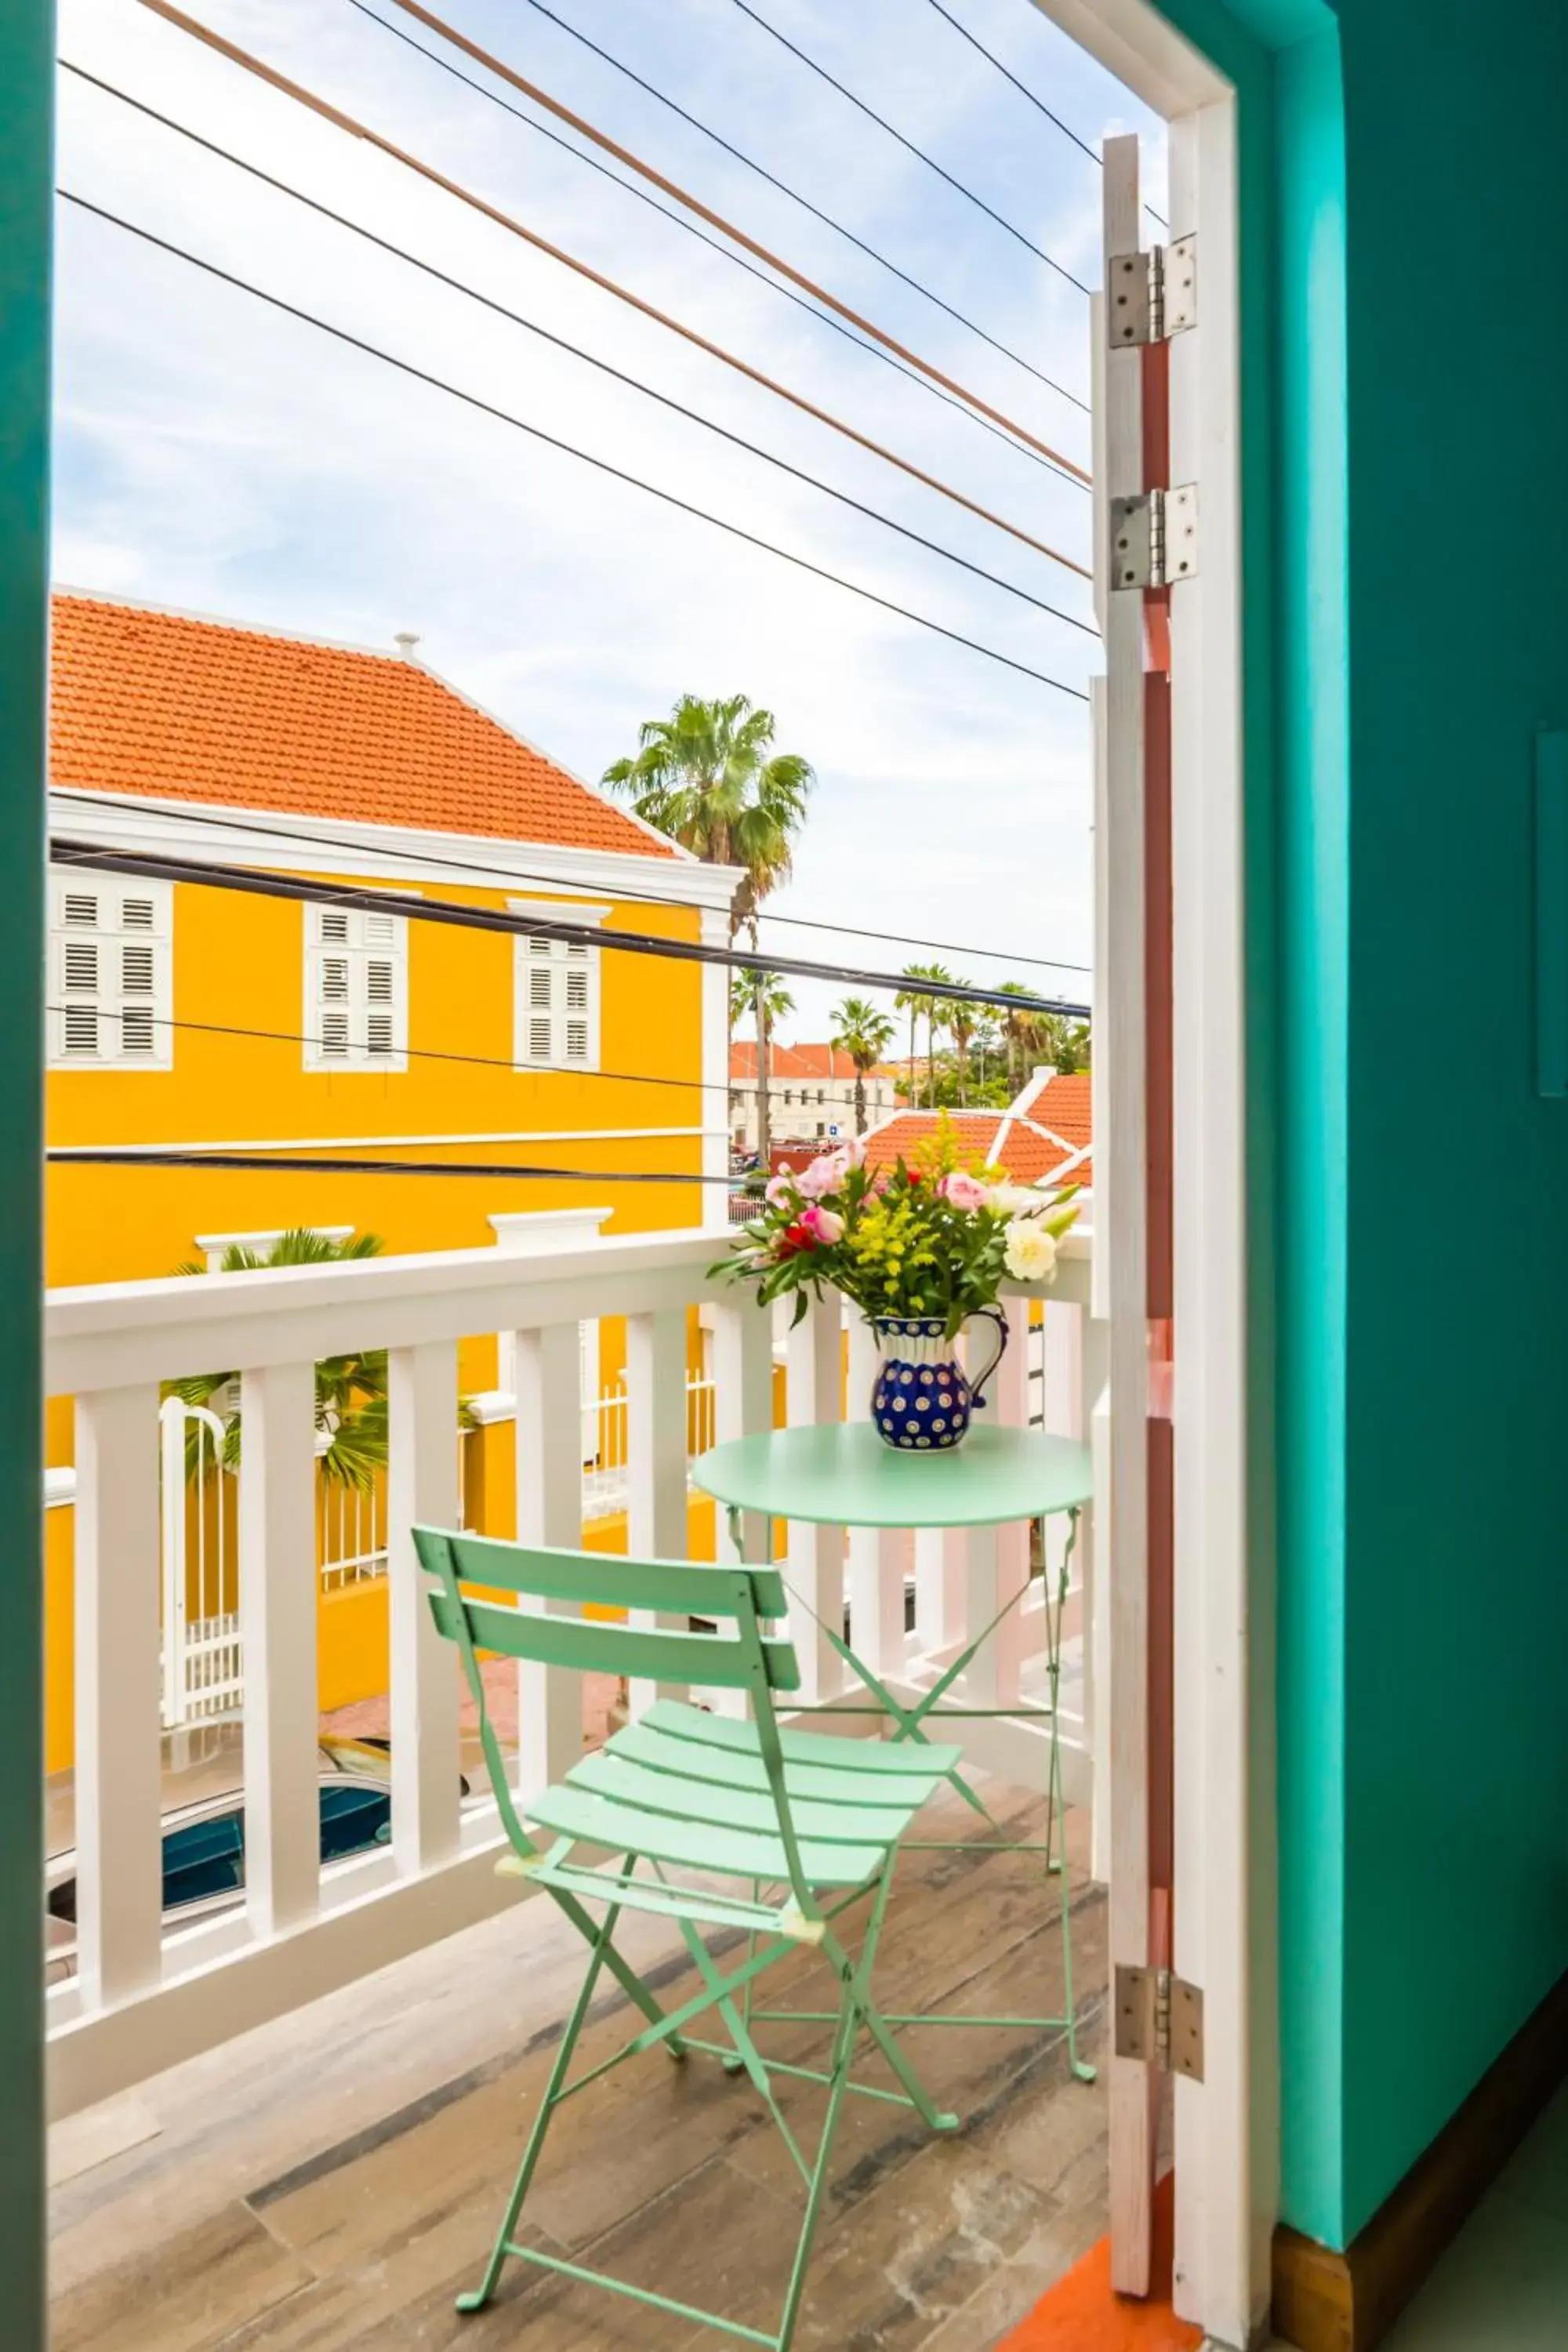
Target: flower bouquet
921	1248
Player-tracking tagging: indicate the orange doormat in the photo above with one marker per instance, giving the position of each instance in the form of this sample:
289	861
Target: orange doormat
1080	2314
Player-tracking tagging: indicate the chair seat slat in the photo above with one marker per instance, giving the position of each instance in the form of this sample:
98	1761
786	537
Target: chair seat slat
803	1747
827	1782
612	1773
696	1845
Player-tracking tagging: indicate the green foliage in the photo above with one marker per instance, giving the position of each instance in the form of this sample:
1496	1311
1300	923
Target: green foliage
864	1031
748	986
710	778
936	1238
351	1391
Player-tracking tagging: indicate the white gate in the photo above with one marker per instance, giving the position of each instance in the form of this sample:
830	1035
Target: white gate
203	1663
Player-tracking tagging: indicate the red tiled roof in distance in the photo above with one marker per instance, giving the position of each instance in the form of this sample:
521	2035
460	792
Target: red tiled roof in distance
152	702
788	1062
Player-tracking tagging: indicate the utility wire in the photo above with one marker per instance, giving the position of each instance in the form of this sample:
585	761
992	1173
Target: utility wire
135	1156
553	441
784	189
632	382
909	147
884	343
883	348
499	878
342	121
435	1053
1037	103
98	857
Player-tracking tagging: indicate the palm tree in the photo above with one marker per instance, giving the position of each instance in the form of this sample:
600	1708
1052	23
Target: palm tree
762	994
963	1020
864	1031
922	1005
1024	1031
351	1391
709	777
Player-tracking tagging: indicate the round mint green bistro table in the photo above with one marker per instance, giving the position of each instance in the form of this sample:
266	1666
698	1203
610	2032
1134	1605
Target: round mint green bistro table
841	1474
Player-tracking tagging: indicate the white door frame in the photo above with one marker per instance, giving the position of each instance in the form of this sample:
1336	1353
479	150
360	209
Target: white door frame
1225	1934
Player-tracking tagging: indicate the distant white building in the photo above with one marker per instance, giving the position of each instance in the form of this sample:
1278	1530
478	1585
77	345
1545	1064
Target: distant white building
811	1094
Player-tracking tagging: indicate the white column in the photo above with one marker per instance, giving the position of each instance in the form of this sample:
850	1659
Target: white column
421	1490
549	1511
878	1556
815	1372
1095	1539
714	1114
278	1589
655	1457
743	1401
117	1781
999	1556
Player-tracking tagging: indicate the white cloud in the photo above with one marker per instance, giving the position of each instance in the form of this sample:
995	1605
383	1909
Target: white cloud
216	455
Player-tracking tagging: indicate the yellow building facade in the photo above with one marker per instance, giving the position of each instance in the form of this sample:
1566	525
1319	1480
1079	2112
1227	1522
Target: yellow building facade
188	1017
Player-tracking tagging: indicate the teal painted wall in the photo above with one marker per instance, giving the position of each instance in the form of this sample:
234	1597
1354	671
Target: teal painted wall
26	67
1456	1890
1405	390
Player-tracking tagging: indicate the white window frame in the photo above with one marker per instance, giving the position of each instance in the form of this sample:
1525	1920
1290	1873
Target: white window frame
347	995
565	964
132	920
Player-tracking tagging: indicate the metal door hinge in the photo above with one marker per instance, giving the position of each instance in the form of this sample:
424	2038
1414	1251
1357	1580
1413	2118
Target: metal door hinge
1160	2020
1154	537
1152	296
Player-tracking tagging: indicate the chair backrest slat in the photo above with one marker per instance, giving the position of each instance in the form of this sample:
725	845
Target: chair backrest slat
596	1580
593	1646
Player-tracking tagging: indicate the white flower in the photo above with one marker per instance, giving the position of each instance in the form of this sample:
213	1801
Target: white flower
1018	1200
1031	1252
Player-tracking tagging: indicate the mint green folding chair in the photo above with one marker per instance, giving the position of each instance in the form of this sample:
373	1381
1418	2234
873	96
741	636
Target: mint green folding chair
815	1818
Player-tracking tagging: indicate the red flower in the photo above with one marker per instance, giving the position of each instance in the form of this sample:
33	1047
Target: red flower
793	1240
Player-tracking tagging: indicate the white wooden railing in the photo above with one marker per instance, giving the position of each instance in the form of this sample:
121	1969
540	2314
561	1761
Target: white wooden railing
142	2000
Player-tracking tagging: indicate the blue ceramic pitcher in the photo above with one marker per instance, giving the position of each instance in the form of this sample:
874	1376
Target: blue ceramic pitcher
921	1398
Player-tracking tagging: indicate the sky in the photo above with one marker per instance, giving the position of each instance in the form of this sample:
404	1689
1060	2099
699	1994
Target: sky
214	454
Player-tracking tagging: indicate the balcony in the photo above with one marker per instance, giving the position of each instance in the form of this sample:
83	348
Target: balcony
338	2167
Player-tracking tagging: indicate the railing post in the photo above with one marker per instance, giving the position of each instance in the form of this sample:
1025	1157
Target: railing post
119	1795
174	1703
549	1511
277	1587
878	1556
743	1401
815	1569
655	1457
421	1489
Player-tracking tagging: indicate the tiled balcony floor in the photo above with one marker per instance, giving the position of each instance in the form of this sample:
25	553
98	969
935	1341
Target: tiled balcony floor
1502	2287
331	2180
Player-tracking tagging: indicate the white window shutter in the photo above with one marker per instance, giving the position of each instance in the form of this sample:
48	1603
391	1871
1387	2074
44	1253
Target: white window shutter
356	989
557	1003
110	974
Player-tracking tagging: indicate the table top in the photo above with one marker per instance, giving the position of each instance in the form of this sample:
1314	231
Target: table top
841	1474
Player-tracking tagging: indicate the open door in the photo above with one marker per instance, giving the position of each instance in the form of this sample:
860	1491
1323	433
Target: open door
1144	541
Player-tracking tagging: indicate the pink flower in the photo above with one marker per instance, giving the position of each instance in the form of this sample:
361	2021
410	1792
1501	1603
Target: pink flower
822	1175
964	1191
781	1190
826	1224
854	1154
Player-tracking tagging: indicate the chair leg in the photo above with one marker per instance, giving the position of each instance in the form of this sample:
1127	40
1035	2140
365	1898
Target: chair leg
859	1977
530	2155
843	2052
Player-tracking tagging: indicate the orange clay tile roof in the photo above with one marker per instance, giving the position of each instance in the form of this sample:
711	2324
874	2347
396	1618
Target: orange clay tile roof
146	701
1031	1148
790	1061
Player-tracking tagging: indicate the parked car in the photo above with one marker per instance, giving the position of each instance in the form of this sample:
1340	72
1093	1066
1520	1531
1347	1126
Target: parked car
204	1844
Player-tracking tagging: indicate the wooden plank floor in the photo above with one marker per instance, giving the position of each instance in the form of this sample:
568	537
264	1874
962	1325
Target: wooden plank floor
329	2182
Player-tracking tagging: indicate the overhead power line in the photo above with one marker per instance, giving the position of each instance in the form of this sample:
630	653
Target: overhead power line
882	347
587	129
784	187
93	1155
297	836
909	147
98	857
1037	103
301	96
568	448
633	384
